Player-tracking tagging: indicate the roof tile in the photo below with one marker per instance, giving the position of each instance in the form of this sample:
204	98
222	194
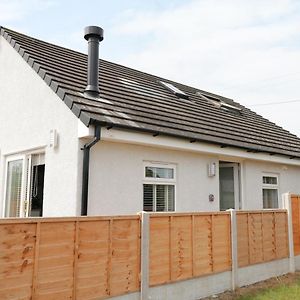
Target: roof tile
135	100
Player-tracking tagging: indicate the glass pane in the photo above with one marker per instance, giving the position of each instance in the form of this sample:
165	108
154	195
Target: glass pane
154	172
148	197
164	173
37	191
165	198
161	197
226	188
270	198
150	172
171	198
13	188
269	180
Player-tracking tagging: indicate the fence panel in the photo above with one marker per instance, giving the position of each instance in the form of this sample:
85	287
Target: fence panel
221	242
93	260
99	257
262	236
17	248
242	239
295	199
186	245
160	250
203	251
281	238
54	270
125	256
181	247
69	258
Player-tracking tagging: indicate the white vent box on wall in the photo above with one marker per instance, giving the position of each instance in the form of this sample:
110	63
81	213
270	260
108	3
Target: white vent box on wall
53	142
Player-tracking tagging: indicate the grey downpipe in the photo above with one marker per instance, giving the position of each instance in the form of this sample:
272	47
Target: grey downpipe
86	168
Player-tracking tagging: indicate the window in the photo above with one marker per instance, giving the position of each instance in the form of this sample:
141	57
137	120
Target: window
270	191
24	187
159	187
176	91
220	102
13	188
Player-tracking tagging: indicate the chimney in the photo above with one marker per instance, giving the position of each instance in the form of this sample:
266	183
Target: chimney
94	35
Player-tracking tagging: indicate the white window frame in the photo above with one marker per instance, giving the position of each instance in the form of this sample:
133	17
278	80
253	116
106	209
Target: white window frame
26	179
270	186
160	181
237	182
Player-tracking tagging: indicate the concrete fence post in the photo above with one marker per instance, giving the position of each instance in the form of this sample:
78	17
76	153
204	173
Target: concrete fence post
287	204
234	251
145	248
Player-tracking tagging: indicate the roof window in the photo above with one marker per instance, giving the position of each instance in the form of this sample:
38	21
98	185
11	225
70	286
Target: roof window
175	90
220	102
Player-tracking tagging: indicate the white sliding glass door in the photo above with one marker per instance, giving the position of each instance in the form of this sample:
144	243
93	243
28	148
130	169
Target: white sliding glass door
24	185
229	186
16	177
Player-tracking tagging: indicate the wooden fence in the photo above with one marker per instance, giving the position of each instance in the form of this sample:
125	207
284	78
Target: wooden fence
295	205
99	257
69	258
187	245
261	236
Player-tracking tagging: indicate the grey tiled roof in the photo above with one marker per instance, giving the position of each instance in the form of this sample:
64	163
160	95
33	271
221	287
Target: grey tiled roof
135	100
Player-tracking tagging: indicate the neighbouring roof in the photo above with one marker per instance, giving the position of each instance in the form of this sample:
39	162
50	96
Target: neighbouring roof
135	100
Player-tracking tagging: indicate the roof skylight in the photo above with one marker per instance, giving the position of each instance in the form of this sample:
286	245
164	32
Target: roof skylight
176	91
219	102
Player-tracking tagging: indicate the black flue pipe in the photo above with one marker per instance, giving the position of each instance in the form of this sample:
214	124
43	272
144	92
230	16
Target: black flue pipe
94	35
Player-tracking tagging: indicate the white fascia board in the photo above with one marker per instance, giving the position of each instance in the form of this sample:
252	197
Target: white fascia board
84	131
228	153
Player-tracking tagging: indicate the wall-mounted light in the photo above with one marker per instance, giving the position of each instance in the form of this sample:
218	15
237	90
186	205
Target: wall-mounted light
211	169
53	140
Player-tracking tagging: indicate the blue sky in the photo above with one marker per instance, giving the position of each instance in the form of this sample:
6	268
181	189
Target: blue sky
62	22
245	50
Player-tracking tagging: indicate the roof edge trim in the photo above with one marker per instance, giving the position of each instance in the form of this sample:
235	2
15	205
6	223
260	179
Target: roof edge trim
35	66
248	148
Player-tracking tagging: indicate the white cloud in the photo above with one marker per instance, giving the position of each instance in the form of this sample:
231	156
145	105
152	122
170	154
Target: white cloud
247	50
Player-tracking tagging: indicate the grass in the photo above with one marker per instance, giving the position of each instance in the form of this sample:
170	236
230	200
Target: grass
285	287
281	292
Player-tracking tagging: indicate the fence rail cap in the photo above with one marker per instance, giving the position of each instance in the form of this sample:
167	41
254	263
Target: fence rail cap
66	219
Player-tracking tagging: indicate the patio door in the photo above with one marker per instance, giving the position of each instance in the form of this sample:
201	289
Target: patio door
24	182
229	186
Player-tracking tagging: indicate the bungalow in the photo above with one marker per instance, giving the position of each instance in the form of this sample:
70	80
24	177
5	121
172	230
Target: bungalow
119	141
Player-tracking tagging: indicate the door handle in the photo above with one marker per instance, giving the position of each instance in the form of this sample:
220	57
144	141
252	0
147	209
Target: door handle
26	203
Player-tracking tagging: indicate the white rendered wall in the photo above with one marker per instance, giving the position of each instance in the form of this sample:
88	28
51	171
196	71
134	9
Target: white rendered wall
29	109
116	178
289	181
